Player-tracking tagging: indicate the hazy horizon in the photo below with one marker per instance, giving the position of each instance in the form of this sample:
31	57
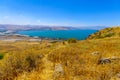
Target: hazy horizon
75	13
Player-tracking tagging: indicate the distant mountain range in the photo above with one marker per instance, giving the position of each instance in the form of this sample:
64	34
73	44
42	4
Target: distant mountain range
10	27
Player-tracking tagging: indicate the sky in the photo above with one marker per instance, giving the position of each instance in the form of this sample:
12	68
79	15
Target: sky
60	12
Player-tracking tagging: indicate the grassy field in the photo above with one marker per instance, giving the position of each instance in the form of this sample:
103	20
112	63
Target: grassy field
97	59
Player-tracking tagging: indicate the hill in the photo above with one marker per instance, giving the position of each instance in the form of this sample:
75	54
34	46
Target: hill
106	33
82	60
11	27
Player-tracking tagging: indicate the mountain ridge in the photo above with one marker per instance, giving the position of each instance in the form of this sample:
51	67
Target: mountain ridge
44	27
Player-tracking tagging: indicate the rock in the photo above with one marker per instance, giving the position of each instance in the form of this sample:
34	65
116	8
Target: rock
104	61
40	56
115	58
95	53
118	75
58	70
48	45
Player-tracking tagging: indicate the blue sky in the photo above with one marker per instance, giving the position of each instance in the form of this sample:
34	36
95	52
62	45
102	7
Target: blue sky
61	12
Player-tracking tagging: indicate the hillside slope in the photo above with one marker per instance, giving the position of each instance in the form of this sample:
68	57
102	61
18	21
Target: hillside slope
106	33
84	60
97	58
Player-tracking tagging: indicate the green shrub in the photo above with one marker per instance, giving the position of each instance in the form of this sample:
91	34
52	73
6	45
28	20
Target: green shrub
72	40
1	55
109	35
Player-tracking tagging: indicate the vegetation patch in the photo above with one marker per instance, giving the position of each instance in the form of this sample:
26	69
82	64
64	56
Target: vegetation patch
72	40
1	55
105	33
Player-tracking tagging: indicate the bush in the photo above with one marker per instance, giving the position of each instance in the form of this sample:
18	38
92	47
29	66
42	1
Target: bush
72	40
1	55
17	63
109	35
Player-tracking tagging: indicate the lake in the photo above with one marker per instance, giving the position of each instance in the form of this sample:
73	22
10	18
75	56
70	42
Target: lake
59	34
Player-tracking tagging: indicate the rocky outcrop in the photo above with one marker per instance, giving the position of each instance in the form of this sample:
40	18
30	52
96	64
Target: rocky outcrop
58	71
104	61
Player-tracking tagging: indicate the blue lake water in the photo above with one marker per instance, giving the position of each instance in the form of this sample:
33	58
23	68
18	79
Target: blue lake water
59	34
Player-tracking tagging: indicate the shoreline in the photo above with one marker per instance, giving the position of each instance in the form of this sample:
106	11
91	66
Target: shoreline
12	34
19	37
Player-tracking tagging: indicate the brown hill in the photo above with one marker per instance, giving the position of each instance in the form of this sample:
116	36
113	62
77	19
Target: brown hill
112	32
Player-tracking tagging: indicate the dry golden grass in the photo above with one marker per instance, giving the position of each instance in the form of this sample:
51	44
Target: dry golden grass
105	33
74	61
